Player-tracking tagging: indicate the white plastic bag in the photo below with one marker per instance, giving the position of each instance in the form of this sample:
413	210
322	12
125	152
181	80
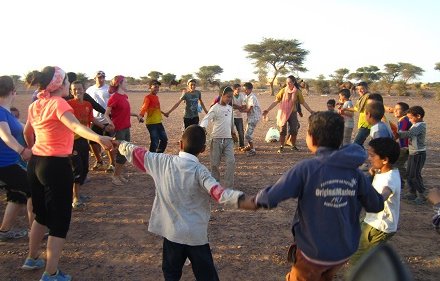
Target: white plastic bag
272	135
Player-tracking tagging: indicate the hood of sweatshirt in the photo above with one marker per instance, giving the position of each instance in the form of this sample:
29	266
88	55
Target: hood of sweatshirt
346	157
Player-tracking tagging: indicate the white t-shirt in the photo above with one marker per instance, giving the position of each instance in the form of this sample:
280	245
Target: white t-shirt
101	96
221	118
348	120
387	220
238	100
254	115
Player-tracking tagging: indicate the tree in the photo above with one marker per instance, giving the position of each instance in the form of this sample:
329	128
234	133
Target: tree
186	77
168	78
82	77
144	79
262	75
367	73
131	80
339	76
207	73
392	71
409	71
15	78
437	66
281	56
154	75
321	85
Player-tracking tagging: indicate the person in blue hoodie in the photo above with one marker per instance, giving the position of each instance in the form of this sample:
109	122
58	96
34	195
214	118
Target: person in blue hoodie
331	192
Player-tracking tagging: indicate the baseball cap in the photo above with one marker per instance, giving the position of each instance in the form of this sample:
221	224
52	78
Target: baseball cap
100	73
191	80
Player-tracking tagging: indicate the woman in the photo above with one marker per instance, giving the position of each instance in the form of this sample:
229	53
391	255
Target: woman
12	174
288	97
119	109
49	130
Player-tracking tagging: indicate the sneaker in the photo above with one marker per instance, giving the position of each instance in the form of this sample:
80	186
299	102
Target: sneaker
280	150
11	234
110	169
31	264
251	152
59	276
117	181
97	166
78	204
294	148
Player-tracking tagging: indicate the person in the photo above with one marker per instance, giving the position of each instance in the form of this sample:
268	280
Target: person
363	126
12	174
237	104
183	190
331	192
49	131
118	114
99	92
331	105
253	110
417	154
374	113
71	77
345	102
288	97
380	227
222	143
15	112
151	106
192	98
403	124
434	198
83	111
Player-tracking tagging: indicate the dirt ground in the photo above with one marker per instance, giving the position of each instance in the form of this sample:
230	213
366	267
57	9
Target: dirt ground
108	240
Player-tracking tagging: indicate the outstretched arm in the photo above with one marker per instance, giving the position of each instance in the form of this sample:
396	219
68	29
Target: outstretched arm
272	105
174	107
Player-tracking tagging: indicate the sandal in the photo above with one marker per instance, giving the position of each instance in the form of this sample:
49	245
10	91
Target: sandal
245	148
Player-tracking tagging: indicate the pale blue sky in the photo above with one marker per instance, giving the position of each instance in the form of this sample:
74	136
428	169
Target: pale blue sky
134	37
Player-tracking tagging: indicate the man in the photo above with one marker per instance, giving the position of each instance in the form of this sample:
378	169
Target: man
99	92
153	121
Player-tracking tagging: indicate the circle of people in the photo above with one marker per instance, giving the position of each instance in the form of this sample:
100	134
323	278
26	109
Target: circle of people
65	121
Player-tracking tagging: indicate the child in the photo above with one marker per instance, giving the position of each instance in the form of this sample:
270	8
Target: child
183	189
331	192
417	153
345	102
237	104
374	112
331	105
222	143
403	124
151	105
380	227
83	111
192	97
253	110
434	198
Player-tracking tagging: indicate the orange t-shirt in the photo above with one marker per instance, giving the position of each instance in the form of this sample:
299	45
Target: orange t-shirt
52	137
83	112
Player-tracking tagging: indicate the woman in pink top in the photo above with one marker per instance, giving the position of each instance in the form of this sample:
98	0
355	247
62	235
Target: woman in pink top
119	109
49	131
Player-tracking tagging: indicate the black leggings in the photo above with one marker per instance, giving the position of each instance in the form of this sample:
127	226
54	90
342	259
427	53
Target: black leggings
51	179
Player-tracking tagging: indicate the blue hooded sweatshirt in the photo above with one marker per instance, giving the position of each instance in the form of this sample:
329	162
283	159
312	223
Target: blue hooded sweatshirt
331	192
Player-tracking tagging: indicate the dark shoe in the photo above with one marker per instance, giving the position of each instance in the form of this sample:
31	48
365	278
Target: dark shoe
294	148
280	150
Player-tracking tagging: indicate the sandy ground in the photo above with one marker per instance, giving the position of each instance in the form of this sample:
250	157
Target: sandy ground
108	240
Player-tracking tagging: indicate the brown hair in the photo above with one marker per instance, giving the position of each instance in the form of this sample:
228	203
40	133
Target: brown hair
40	78
6	86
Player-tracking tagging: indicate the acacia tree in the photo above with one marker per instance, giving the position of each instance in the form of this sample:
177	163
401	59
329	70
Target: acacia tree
168	78
208	73
154	75
186	77
367	73
410	71
338	77
281	56
391	72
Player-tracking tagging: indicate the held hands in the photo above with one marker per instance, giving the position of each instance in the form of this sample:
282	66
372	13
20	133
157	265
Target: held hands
106	142
26	154
247	203
115	143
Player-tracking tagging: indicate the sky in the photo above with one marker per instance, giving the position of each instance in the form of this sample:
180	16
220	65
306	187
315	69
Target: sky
134	37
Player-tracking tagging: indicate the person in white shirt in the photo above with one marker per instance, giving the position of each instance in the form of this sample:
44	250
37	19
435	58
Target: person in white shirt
181	208
237	104
380	227
253	110
222	144
99	92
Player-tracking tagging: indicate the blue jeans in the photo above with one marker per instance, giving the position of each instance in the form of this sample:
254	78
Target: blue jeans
361	136
239	125
158	137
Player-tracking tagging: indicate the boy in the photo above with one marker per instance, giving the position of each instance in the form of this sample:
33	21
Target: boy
237	104
192	98
403	124
417	153
83	111
222	143
380	227
331	105
331	192
345	102
374	112
183	189
151	105
253	111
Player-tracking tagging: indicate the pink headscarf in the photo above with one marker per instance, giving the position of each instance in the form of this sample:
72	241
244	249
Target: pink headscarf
286	105
55	83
